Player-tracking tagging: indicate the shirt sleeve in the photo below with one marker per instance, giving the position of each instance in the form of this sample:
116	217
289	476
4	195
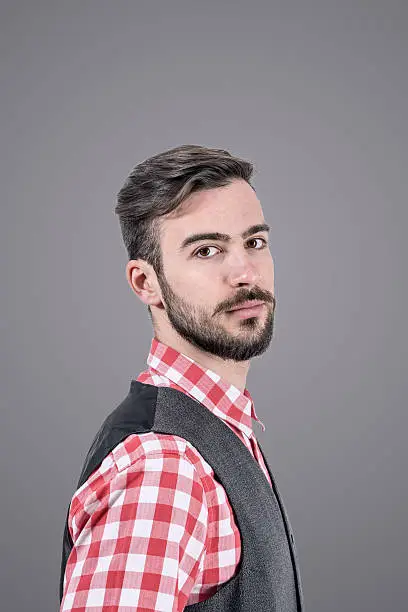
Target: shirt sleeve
139	538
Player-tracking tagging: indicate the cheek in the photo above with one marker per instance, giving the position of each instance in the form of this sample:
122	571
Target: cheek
191	285
270	272
196	287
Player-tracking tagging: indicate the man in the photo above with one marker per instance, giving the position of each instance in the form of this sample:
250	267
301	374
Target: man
176	508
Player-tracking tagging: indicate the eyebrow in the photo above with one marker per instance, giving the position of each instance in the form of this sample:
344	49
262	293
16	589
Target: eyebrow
260	227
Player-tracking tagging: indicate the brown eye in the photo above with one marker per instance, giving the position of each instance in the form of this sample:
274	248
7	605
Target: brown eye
264	243
204	248
207	248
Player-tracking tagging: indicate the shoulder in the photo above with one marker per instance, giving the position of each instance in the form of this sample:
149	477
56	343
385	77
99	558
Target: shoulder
137	449
142	454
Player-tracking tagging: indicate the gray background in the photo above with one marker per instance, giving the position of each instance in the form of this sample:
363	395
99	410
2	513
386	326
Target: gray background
315	93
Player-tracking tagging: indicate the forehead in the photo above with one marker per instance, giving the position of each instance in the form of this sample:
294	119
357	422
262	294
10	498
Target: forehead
229	209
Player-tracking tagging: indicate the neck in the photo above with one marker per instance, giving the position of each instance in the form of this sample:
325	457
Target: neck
234	372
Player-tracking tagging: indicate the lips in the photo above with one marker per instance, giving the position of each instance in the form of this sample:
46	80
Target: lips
249	304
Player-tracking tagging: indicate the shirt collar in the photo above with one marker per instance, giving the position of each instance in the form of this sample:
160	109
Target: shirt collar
224	399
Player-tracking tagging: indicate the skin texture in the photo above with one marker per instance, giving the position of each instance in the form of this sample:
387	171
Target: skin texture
202	281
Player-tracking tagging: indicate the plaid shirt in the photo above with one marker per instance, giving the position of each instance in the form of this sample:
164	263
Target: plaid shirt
152	528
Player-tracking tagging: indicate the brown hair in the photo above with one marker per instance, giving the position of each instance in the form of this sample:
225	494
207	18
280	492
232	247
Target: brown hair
158	185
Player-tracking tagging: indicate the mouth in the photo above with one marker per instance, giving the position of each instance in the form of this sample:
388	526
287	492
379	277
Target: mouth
249	311
247	305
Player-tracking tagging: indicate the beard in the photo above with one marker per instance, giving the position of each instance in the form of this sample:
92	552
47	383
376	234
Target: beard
205	332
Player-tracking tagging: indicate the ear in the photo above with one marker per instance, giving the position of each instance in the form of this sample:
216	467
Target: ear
143	282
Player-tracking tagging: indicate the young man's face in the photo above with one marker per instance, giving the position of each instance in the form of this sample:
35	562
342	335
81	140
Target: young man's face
205	279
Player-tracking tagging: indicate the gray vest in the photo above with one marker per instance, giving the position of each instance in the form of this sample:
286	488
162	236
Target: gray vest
267	578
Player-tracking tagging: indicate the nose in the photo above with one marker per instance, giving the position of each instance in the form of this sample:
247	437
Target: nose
242	271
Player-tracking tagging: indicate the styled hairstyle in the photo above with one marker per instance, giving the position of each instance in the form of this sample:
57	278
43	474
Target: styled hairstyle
159	185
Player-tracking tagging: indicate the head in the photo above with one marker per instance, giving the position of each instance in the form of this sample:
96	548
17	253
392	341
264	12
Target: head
197	244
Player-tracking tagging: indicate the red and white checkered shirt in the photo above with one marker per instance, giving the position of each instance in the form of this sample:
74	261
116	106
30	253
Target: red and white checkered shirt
152	528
